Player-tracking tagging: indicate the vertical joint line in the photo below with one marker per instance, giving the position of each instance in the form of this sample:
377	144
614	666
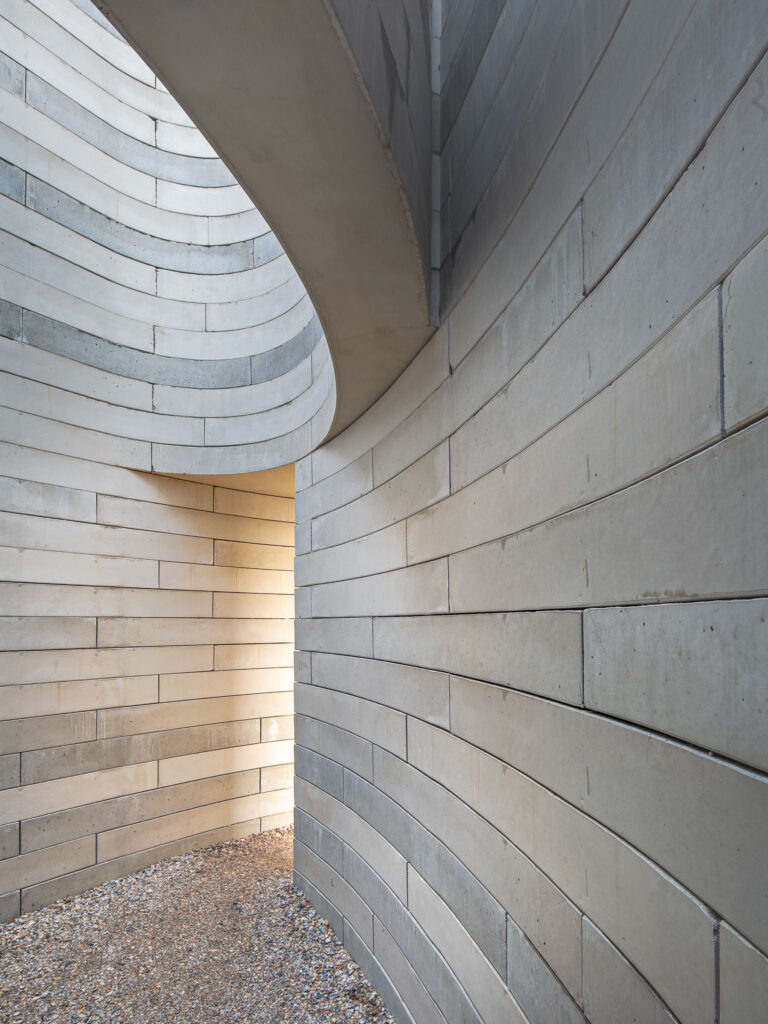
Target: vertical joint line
583	666
721	356
716	938
583	252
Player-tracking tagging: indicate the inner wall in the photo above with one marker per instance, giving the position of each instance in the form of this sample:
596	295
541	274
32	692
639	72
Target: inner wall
150	709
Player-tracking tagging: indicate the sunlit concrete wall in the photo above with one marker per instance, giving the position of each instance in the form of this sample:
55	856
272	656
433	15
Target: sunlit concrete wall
149	320
532	714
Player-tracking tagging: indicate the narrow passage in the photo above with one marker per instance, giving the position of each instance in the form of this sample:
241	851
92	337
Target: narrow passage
218	934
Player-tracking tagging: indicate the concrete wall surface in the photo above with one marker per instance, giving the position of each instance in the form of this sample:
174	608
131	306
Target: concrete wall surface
531	701
148	319
532	651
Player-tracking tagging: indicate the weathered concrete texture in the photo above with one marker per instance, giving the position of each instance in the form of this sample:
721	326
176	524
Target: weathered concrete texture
555	518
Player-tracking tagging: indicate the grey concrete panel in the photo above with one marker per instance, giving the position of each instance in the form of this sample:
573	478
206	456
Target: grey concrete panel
481	914
128	150
695	671
159	252
376	974
10	770
60	338
320	771
319	839
10	905
743	979
9	840
12	181
12	76
435	974
342	746
337	636
404	977
10	320
541	997
323	906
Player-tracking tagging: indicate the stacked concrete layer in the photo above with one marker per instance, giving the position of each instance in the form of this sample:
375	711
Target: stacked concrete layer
146	305
146	638
532	723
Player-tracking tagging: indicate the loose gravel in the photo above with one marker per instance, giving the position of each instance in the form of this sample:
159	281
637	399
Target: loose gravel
219	934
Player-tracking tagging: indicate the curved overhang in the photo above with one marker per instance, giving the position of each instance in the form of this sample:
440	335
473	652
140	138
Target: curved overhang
274	88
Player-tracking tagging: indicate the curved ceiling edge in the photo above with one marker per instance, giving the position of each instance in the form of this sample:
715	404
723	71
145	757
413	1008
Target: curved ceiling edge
274	88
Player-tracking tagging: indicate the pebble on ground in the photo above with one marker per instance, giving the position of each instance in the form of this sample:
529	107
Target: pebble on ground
216	935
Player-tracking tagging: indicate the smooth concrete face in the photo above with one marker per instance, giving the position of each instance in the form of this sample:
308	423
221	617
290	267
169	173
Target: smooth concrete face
276	92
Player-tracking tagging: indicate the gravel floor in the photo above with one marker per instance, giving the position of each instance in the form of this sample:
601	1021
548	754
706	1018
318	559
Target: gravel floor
215	935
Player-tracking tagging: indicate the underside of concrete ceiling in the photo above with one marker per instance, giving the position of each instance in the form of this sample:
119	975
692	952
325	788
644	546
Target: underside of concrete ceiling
273	87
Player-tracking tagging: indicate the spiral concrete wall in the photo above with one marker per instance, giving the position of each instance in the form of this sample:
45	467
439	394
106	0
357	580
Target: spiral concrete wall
532	577
149	320
131	250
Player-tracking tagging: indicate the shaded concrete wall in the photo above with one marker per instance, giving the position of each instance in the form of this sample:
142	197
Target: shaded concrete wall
148	319
531	700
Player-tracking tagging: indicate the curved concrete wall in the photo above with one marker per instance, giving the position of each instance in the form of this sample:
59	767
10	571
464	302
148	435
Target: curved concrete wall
148	319
531	700
129	248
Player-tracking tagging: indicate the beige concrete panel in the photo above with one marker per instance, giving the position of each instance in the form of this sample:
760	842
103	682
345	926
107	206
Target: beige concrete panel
334	888
194	685
277	776
382	726
385	860
45	499
28	700
242	656
664	407
417	590
416	691
743	979
132	838
535	651
279	481
147	516
31	801
694	671
253	556
257	506
600	554
701	819
30	633
39	599
374	553
67	885
57	666
150	632
489	994
177	576
219	762
22	428
33	566
65	471
65	762
119	811
277	728
49	731
337	636
253	606
186	713
417	487
745	311
613	990
86	538
284	819
30	868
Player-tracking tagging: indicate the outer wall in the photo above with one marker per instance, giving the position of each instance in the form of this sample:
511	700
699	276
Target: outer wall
531	679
